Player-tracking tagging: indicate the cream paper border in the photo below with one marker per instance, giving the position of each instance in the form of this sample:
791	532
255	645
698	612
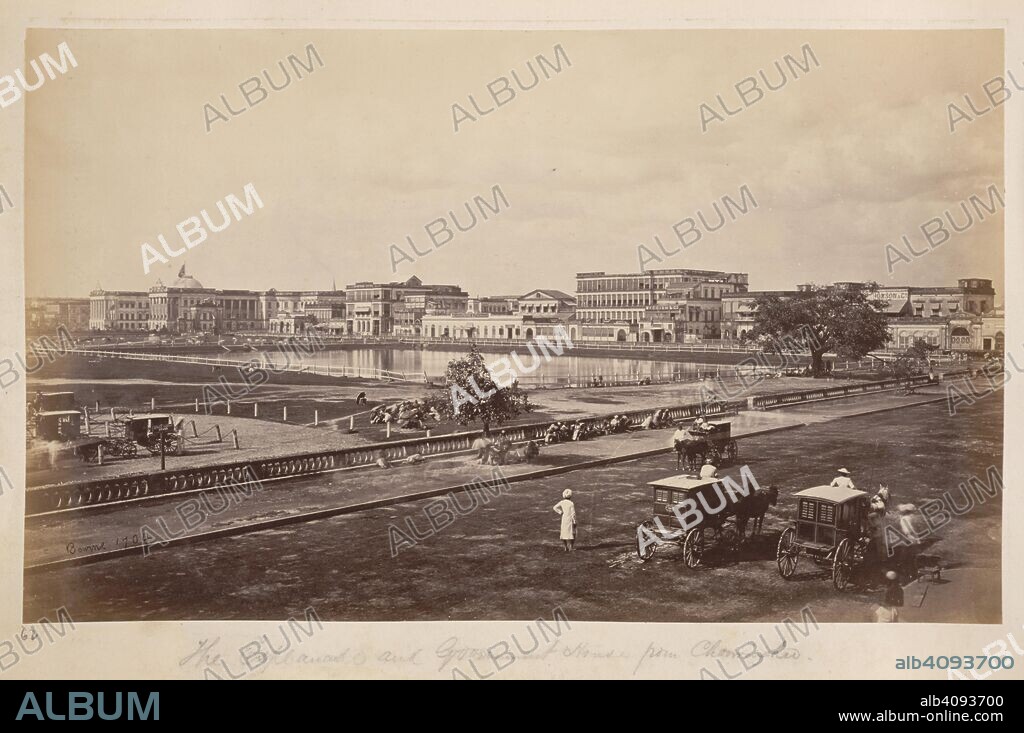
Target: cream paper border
152	650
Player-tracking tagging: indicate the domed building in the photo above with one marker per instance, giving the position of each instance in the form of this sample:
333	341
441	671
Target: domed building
187	306
170	305
187	282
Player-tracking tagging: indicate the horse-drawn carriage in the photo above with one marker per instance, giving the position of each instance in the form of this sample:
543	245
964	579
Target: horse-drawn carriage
713	442
832	526
719	529
153	431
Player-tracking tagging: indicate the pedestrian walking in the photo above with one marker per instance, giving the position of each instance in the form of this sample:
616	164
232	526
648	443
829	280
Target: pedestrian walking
889	611
907	553
568	512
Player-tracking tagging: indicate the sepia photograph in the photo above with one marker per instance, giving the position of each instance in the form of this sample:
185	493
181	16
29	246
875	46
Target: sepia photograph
549	326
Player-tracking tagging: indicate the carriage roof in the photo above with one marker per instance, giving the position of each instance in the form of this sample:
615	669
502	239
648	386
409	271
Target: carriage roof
51	413
149	416
834	494
684	481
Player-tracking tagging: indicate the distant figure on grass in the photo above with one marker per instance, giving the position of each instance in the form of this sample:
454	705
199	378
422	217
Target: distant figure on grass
53	452
889	611
568	511
361	398
906	555
482	447
843	480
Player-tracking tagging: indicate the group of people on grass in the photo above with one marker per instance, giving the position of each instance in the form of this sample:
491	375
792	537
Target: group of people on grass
407	414
561	431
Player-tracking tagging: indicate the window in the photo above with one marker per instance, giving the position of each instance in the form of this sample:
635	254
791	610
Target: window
661	495
826	513
807	510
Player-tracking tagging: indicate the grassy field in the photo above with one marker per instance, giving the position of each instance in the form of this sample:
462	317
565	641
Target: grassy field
504	560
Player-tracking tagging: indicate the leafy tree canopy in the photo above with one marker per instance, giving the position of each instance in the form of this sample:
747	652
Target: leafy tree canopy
470	393
846	320
920	349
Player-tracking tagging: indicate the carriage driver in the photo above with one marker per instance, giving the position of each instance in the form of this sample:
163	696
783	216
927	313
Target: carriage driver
843	480
708	470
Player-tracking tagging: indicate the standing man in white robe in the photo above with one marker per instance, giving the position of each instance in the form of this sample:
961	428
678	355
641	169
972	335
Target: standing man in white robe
568	511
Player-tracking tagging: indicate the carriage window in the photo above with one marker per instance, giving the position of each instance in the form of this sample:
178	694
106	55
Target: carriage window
826	513
661	495
807	510
678	496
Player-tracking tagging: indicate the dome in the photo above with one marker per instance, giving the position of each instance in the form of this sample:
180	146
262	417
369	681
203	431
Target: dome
188	282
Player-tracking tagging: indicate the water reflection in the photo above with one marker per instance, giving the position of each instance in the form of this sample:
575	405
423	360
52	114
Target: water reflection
417	363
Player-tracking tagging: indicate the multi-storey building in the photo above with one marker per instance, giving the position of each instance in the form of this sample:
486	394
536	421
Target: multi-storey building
370	308
546	304
738	311
691	314
118	310
186	306
537	313
501	305
624	298
169	304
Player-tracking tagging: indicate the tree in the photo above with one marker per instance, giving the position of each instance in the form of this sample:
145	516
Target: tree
921	349
470	393
902	366
844	320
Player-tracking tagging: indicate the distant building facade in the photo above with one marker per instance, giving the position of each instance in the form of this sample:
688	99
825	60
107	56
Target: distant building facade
625	298
187	306
375	309
49	313
957	318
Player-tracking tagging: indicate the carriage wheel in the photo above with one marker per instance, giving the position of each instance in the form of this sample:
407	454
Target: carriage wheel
645	550
693	547
732	450
841	566
729	537
131	450
788	554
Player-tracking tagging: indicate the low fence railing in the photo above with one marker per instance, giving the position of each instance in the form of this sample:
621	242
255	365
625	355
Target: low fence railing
764	402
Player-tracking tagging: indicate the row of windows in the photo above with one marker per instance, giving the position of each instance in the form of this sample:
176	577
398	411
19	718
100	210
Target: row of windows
661	282
590	301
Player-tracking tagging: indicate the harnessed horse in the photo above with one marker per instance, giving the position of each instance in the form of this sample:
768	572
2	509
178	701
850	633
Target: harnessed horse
754	507
693	447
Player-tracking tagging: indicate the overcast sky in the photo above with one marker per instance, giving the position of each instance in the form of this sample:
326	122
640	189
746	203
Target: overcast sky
594	161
